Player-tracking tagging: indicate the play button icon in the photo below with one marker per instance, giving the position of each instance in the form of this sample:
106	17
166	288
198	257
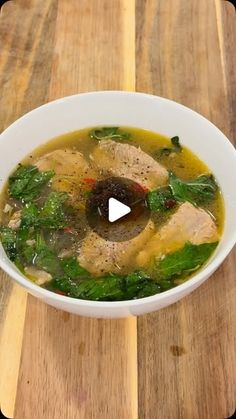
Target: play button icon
116	210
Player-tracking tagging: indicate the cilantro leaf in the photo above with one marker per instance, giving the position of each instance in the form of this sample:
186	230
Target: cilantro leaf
197	191
72	268
185	260
107	288
8	239
44	257
161	199
26	182
30	215
110	133
138	285
52	214
176	147
111	287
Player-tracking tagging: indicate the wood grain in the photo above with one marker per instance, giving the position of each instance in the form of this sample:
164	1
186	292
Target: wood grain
77	372
17	96
76	367
227	18
11	344
180	363
181	56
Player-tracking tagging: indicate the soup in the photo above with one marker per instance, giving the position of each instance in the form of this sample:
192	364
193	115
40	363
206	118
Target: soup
45	229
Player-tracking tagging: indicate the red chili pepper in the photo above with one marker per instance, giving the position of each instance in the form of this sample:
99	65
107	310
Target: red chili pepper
140	188
89	181
69	230
60	292
170	203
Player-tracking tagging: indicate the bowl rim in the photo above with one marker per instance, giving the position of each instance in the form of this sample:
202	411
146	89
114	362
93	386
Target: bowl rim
213	264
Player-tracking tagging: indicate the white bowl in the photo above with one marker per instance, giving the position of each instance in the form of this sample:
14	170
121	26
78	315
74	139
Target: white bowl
134	110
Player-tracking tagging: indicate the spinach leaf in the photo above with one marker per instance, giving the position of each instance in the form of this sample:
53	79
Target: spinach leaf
161	199
185	260
166	151
8	239
52	214
197	191
72	268
26	182
109	133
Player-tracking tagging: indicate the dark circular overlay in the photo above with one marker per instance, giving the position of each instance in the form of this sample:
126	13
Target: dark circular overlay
127	192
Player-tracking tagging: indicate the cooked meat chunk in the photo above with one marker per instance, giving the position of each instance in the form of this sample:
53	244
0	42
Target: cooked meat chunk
15	220
38	276
7	209
71	170
124	160
99	256
187	224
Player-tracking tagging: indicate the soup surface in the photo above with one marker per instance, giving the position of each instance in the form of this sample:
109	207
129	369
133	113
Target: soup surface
45	229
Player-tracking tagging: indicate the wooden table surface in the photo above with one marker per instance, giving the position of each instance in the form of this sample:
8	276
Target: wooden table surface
180	362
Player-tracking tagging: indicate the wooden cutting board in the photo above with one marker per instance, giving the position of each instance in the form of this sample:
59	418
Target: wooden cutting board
178	363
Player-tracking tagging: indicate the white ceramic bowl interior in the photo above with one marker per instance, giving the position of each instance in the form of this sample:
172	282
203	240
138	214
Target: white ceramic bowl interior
134	110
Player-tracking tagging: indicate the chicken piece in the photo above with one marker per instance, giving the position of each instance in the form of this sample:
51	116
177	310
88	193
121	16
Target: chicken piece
187	224
8	209
38	276
100	256
124	160
15	220
71	170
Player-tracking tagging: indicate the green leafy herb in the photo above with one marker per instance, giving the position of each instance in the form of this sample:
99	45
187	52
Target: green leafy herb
14	243
62	284
33	250
161	199
138	285
8	239
26	183
27	232
108	288
44	257
110	133
30	215
27	253
176	143
111	287
176	147
103	289
185	260
197	191
25	235
52	214
72	268
148	289
166	284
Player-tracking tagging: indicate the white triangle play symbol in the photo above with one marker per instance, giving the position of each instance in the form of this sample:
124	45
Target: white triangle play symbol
117	210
